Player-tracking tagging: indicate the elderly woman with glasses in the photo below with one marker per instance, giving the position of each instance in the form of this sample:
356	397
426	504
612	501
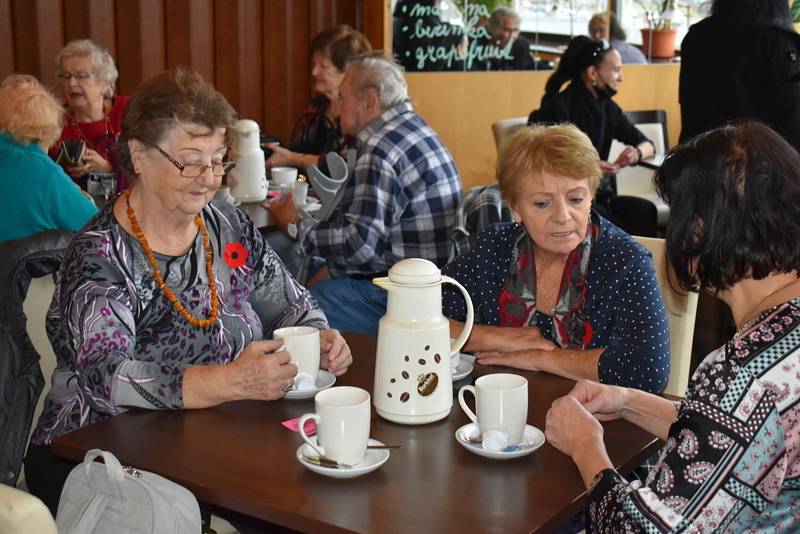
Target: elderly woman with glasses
593	70
94	113
167	300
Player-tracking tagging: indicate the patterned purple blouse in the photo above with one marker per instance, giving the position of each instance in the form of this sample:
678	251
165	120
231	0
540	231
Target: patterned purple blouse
120	343
731	462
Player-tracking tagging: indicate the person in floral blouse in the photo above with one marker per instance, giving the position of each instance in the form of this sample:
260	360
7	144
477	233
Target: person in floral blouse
731	457
166	300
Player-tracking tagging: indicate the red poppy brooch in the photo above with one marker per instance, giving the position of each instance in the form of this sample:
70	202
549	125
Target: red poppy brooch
235	255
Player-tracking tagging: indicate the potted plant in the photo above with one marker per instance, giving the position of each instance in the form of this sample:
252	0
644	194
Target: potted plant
658	38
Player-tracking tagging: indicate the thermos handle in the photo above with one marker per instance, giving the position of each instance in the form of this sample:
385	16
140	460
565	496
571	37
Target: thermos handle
462	339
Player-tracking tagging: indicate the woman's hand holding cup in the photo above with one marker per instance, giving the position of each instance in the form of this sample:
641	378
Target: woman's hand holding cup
261	373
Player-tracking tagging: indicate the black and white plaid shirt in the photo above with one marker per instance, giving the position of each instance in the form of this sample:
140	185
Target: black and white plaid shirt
400	203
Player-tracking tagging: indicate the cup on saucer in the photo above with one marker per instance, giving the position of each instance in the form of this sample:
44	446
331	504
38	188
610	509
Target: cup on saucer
501	404
302	344
342	418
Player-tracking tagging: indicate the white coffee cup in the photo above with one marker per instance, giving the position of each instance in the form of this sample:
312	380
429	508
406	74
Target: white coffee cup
284	176
300	193
302	344
342	417
501	403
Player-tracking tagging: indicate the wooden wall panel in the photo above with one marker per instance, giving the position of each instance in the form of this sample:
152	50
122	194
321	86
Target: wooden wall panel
239	71
92	19
287	36
256	52
7	63
38	35
190	35
141	43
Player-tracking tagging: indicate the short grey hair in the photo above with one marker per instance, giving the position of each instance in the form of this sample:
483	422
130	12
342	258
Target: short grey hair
497	16
102	63
375	71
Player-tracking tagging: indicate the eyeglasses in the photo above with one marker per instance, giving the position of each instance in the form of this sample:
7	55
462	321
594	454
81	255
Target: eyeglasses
194	170
79	76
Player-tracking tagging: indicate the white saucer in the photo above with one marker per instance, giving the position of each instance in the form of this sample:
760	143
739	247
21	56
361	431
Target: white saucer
464	367
324	381
373	460
532	434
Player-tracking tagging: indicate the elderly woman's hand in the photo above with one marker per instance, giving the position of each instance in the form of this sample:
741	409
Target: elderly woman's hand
605	402
282	157
335	355
569	427
94	162
510	339
259	373
520	359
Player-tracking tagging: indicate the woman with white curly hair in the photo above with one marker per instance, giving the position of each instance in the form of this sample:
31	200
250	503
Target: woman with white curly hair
94	113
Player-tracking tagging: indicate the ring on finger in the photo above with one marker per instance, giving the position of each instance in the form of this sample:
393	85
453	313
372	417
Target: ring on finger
289	385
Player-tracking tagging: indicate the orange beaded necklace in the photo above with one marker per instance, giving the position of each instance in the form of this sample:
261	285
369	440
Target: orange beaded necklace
177	304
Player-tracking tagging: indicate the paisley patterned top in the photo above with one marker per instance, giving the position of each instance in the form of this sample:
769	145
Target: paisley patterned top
120	343
731	462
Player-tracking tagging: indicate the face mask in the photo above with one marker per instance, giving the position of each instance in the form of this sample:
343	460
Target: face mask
606	91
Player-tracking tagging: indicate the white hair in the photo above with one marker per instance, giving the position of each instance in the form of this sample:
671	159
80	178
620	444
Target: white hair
102	62
497	16
381	74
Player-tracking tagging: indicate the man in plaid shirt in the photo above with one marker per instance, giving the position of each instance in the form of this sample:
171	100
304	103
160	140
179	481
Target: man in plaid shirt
400	203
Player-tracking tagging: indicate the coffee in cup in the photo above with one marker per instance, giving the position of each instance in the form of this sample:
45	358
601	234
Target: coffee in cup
342	417
501	404
302	344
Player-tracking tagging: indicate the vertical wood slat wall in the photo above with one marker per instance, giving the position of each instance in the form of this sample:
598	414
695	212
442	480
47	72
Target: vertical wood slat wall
256	52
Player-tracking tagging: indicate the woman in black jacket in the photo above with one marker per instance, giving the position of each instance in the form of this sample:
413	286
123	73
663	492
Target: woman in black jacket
593	70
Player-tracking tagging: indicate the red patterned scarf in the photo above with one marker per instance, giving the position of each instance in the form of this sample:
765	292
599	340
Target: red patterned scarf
518	297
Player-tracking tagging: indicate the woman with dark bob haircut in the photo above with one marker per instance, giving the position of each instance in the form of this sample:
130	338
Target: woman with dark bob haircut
731	458
167	300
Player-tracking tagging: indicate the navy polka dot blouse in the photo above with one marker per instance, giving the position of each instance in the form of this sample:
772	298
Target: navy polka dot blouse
624	303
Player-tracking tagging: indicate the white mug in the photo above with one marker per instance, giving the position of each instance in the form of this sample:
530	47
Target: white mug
283	176
300	193
501	403
302	344
342	416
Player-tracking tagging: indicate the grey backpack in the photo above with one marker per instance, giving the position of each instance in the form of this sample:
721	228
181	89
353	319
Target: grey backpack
100	498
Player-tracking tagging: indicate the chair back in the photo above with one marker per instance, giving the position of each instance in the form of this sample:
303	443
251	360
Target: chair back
681	310
506	127
37	301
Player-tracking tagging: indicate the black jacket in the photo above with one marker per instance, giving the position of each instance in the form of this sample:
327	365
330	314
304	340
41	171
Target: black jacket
740	73
602	120
21	378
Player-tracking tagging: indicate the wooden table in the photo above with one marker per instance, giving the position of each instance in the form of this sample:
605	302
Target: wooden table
238	457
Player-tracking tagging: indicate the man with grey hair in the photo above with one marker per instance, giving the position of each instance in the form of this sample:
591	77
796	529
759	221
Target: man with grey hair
400	203
513	51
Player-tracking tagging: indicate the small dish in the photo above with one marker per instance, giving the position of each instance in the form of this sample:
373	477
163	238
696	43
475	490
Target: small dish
464	368
373	460
324	381
532	435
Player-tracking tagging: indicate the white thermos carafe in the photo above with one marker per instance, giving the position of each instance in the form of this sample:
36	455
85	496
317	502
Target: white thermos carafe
248	180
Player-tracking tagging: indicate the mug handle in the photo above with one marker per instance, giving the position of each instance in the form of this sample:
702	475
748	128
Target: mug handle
301	428
463	403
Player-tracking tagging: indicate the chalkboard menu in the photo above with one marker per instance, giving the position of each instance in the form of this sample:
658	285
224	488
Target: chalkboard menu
454	35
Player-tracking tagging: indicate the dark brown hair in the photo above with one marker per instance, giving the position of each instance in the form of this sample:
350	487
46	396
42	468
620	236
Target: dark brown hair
734	196
341	43
173	97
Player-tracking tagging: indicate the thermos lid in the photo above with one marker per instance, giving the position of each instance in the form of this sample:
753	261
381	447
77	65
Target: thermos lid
415	271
